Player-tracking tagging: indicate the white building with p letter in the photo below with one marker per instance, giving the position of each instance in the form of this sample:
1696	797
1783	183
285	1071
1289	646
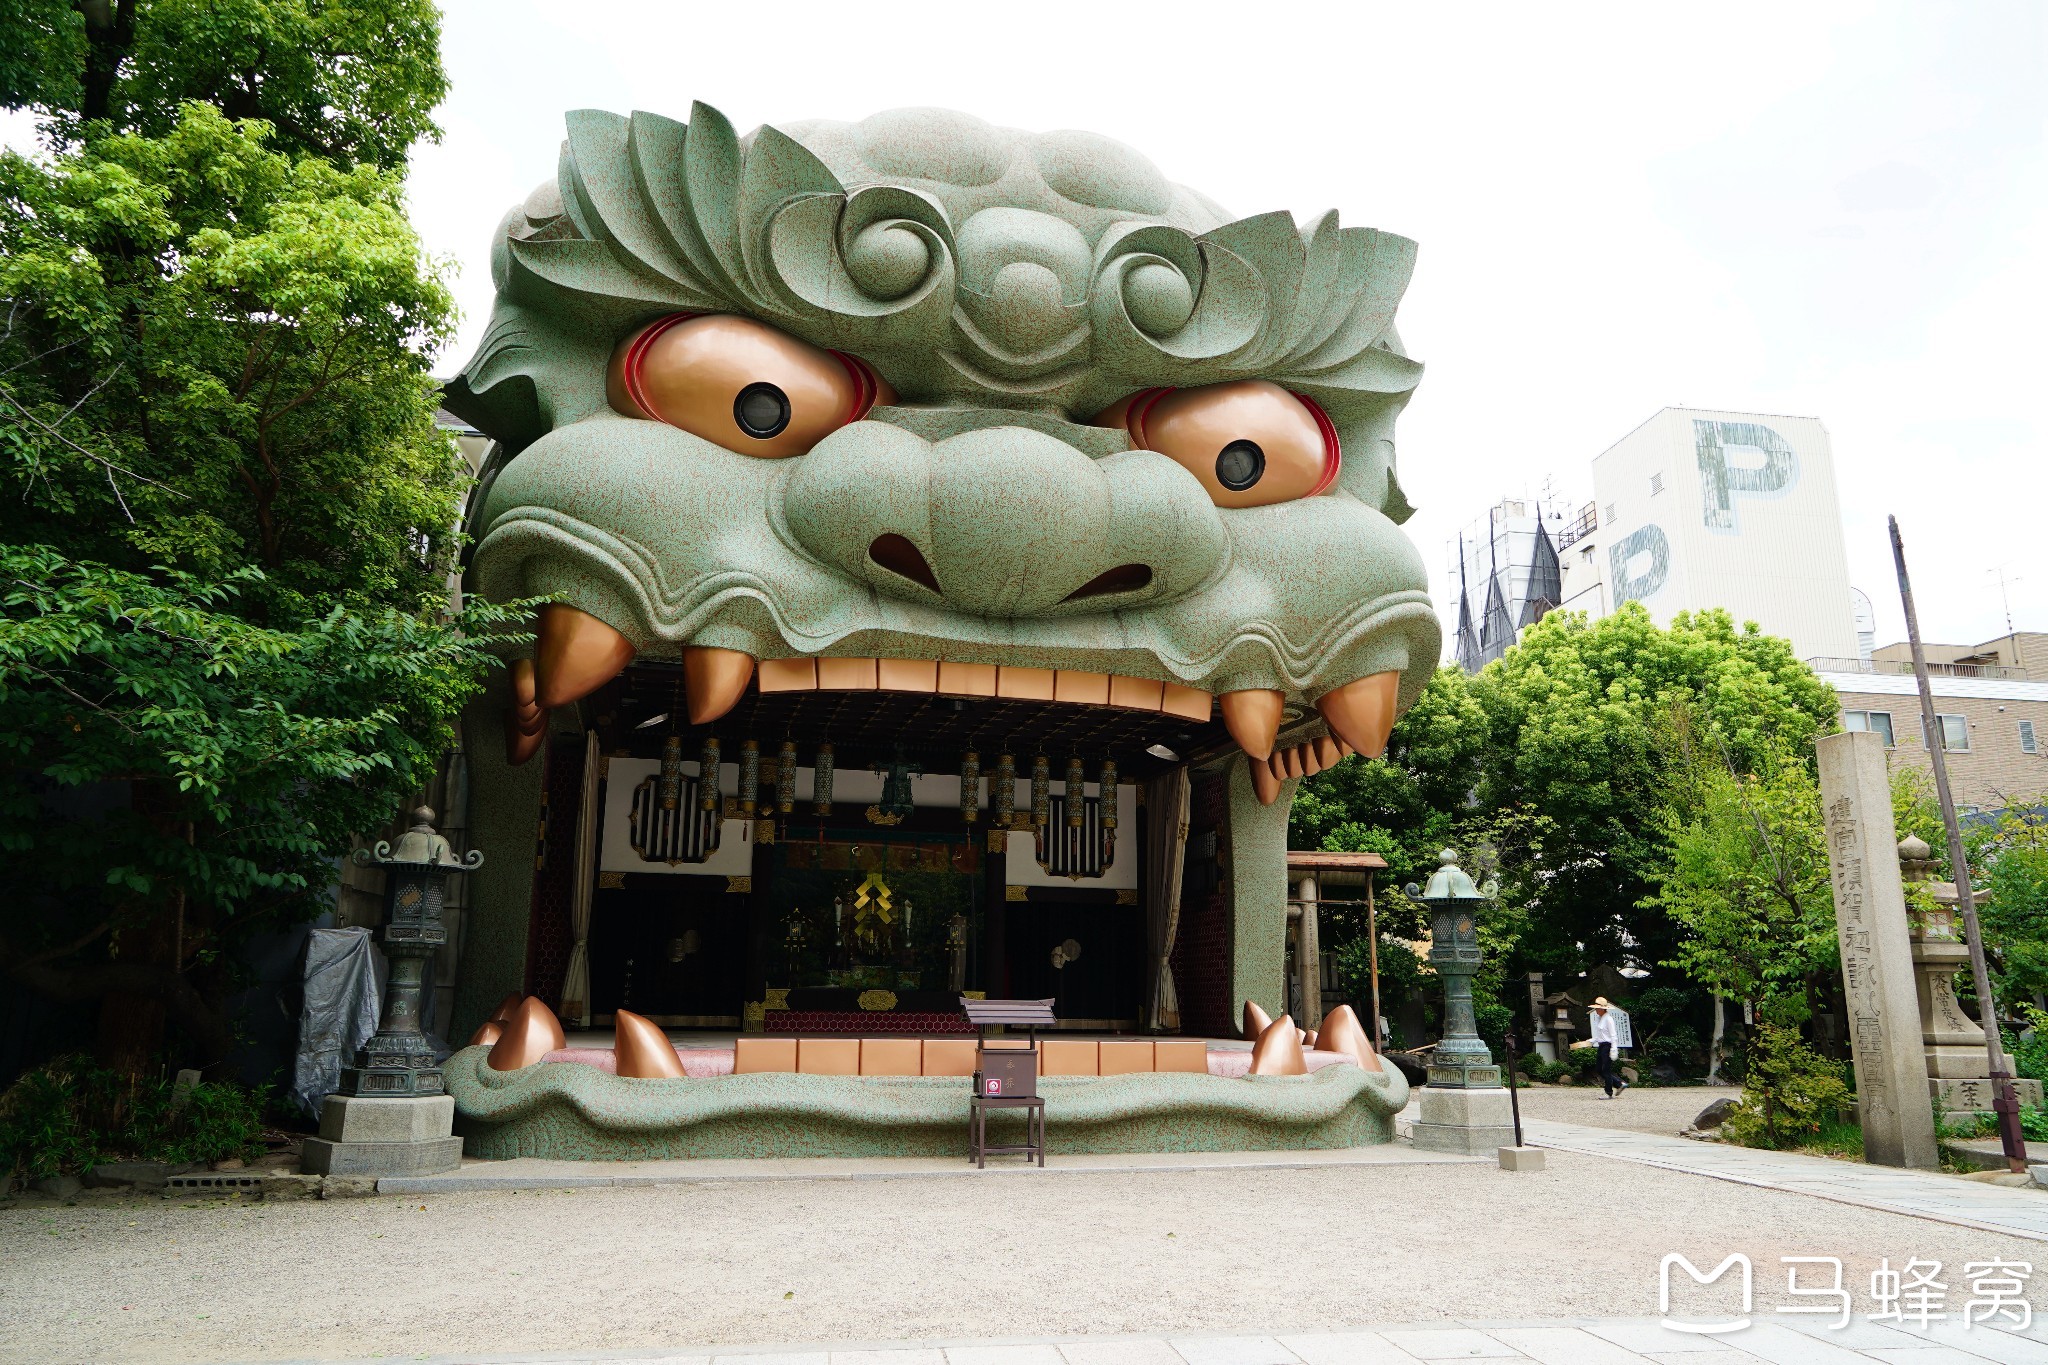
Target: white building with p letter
1697	509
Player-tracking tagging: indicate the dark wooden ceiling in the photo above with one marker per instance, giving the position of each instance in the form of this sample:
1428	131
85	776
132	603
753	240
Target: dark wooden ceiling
866	729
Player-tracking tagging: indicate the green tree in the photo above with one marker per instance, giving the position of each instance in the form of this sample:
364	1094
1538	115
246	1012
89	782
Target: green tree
174	778
1404	806
2013	856
1569	764
228	522
2008	853
344	80
1591	724
1749	883
1788	1091
212	360
1403	803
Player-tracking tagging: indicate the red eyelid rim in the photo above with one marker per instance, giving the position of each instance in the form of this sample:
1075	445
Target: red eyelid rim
636	356
1333	449
866	387
1134	415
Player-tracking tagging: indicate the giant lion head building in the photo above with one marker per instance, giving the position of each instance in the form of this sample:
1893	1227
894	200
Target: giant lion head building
958	540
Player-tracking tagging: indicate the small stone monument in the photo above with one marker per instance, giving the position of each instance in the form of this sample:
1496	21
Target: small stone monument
1465	1108
1877	962
393	1115
1958	1066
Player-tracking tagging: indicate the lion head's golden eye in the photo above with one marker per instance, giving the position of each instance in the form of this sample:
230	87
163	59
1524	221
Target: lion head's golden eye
740	384
1250	442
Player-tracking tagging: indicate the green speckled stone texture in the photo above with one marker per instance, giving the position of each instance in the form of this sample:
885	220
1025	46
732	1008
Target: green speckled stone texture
564	1110
1009	285
1258	893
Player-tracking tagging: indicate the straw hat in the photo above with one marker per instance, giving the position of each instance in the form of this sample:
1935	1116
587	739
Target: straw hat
1600	1003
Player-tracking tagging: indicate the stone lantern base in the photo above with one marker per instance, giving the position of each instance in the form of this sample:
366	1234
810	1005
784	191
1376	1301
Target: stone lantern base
1470	1122
371	1135
1961	1098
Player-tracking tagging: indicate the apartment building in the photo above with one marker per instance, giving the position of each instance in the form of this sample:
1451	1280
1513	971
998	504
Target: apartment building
1991	711
2025	652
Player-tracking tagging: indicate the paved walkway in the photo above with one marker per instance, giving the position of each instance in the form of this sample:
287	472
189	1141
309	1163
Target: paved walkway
1919	1194
1922	1194
1609	1341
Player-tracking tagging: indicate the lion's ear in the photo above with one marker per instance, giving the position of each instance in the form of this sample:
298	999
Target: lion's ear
1396	505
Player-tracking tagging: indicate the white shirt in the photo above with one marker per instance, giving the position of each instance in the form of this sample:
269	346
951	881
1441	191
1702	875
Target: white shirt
1603	1027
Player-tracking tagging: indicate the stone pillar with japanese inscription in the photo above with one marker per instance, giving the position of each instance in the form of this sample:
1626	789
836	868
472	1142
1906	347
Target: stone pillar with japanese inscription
1877	958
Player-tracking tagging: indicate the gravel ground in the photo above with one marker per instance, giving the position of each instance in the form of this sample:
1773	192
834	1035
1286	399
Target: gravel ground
1666	1109
143	1280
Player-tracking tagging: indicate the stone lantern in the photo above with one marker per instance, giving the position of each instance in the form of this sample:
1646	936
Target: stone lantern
1465	1108
1954	1042
392	1115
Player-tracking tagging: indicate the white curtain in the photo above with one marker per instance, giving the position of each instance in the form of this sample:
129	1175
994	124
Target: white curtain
1166	841
576	983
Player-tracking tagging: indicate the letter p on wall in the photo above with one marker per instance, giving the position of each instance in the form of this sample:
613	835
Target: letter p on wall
1721	479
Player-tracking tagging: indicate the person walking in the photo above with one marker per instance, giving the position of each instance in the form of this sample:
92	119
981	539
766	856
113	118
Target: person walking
1607	1038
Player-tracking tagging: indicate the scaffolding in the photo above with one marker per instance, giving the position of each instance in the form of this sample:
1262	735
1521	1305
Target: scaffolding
1505	563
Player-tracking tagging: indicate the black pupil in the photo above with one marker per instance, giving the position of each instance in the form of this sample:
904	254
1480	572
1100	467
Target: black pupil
762	410
1240	465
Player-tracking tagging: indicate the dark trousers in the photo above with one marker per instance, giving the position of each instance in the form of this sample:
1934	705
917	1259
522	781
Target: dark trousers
1610	1079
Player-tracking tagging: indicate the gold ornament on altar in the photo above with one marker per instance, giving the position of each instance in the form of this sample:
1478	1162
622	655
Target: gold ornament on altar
874	913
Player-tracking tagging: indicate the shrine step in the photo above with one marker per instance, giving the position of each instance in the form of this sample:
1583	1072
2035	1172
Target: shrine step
865	1021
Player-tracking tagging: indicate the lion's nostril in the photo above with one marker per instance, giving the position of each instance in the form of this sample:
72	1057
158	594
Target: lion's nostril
1123	578
900	555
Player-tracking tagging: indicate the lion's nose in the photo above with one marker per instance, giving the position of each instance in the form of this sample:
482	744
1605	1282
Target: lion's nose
1000	521
900	556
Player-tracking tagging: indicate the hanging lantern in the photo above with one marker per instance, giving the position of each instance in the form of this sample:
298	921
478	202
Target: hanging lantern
1002	796
1077	793
750	777
785	778
821	782
898	798
669	791
707	775
1109	793
1041	792
970	786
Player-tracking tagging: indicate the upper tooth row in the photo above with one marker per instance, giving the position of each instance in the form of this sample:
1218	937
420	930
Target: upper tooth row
984	680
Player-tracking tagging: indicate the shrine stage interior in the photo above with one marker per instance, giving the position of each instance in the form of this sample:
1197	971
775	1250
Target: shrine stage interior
760	907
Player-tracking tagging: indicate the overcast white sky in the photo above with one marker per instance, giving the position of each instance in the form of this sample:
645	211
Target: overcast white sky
1834	211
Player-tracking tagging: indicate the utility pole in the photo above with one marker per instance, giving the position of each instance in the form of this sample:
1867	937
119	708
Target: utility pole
2004	1102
